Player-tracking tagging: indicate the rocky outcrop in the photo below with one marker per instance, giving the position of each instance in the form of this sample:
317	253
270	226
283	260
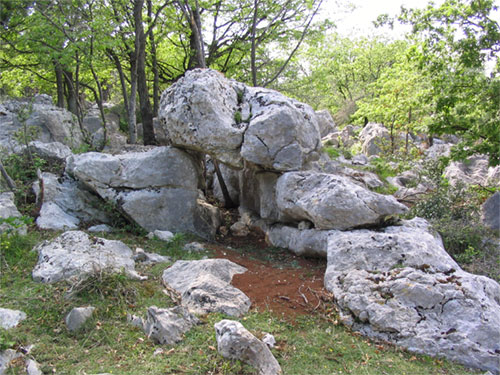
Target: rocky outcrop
232	122
331	202
400	285
11	318
235	342
204	286
76	255
51	123
157	189
473	171
52	151
166	326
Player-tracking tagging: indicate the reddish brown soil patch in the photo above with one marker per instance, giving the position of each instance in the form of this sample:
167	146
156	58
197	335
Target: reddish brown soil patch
276	280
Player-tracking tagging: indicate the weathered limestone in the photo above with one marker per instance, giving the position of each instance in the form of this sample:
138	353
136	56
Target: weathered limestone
75	255
11	318
232	122
8	210
331	201
400	285
158	189
326	124
491	212
204	286
373	137
166	326
473	171
235	342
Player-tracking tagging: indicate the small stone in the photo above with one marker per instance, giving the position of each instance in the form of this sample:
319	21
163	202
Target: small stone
33	368
78	316
100	228
150	258
240	229
163	235
194	247
269	340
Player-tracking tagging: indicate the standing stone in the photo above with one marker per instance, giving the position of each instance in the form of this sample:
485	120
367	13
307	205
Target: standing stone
326	123
235	342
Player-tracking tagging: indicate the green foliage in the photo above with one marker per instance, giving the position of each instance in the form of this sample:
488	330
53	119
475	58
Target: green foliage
332	152
454	212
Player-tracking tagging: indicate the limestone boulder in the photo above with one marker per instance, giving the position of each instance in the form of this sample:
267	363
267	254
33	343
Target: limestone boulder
331	201
11	318
326	123
8	210
204	286
400	285
231	179
303	242
232	122
258	192
235	342
157	188
52	151
373	137
51	123
75	255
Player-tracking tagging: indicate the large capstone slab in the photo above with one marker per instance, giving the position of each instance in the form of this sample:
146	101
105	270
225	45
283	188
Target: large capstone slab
76	255
204	286
232	122
400	285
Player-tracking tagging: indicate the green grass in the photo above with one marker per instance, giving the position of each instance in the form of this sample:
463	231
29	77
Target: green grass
311	345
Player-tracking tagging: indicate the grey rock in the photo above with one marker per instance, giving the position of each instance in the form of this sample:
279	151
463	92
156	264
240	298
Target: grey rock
66	203
10	318
150	258
366	179
75	255
52	151
348	136
331	202
53	124
235	342
32	367
258	192
7	206
199	113
473	171
400	285
269	340
240	229
360	159
77	317
231	179
204	286
167	326
437	150
373	137
332	139
303	242
6	357
232	122
194	247
491	212
157	189
163	235
100	228
326	123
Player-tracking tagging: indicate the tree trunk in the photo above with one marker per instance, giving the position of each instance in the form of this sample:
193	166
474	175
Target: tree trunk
142	86
59	84
10	183
132	99
254	45
121	76
154	67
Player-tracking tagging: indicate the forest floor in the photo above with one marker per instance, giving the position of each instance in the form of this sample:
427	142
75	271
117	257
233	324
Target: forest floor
288	301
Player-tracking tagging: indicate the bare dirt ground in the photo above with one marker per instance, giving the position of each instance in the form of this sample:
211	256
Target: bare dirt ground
276	280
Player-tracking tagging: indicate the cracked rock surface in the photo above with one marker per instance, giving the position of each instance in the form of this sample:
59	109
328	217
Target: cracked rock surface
204	286
75	255
331	201
232	122
400	285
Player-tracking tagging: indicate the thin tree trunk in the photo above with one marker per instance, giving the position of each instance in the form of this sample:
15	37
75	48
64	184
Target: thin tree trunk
154	67
59	84
252	51
10	183
121	76
132	100
227	198
142	86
